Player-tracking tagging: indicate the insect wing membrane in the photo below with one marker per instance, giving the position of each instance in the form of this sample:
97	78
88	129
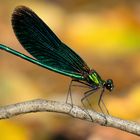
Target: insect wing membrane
38	39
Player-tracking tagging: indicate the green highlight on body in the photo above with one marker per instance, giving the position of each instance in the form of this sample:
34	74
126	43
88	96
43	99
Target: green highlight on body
50	52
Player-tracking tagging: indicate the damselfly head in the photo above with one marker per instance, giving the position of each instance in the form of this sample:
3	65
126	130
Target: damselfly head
109	84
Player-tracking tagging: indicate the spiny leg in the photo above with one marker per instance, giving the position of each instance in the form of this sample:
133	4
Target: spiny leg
69	93
86	94
69	90
105	106
101	101
99	104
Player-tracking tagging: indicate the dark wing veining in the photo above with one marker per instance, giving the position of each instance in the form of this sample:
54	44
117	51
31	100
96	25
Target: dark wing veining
38	39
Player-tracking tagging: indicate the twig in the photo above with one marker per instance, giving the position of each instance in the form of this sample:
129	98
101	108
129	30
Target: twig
41	105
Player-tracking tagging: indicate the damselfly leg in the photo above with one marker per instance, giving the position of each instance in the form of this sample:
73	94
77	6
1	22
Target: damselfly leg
101	101
69	94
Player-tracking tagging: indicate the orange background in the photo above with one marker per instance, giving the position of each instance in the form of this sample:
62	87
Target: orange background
106	35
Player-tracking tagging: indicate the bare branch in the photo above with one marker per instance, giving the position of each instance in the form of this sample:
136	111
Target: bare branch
41	105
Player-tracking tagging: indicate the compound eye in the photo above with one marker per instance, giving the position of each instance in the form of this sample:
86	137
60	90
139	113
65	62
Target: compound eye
109	85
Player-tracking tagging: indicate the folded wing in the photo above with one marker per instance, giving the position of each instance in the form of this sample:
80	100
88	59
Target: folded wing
38	39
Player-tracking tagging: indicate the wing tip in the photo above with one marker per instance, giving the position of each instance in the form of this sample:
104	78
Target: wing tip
20	11
21	8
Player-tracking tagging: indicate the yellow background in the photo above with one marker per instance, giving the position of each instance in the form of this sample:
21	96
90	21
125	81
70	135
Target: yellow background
106	35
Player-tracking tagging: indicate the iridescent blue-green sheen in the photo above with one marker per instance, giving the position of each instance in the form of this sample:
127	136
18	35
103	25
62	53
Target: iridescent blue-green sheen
73	75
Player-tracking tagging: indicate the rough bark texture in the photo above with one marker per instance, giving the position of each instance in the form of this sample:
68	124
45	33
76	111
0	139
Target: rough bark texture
41	105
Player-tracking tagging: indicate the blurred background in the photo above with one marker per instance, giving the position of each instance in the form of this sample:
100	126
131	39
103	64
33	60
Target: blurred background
106	34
